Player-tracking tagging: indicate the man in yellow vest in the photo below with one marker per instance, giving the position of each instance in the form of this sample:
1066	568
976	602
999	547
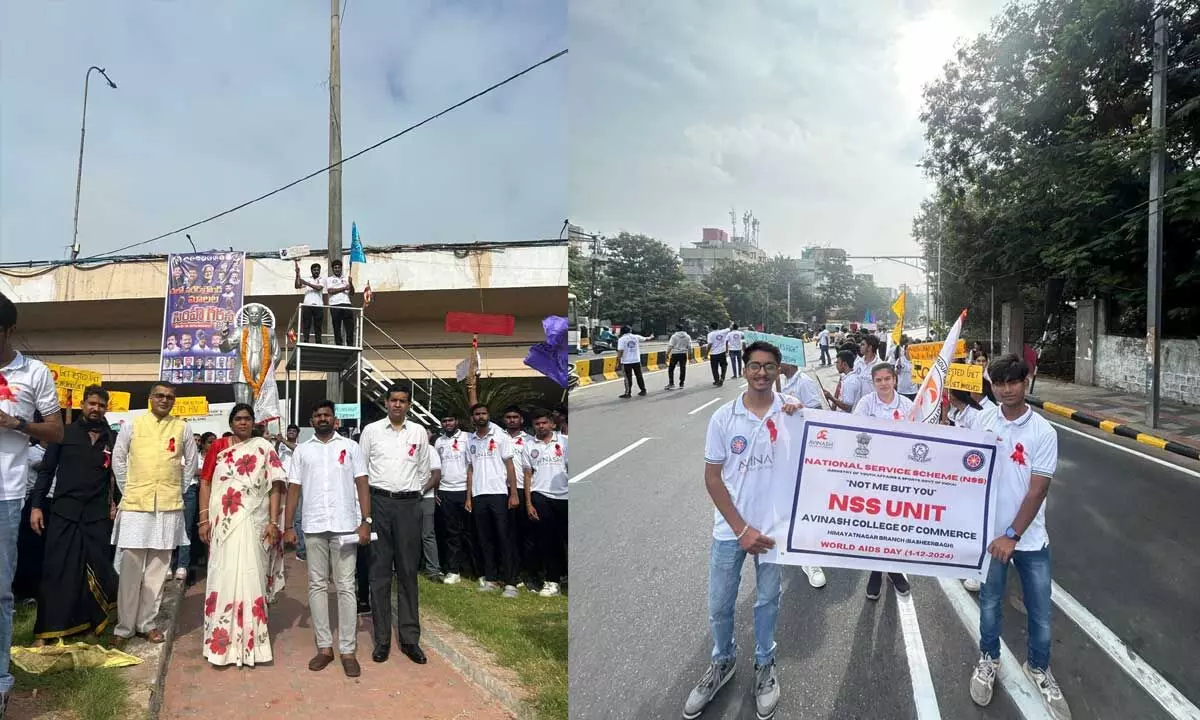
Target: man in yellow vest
149	459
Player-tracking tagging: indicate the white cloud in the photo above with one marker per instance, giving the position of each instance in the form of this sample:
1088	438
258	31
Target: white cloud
221	101
803	111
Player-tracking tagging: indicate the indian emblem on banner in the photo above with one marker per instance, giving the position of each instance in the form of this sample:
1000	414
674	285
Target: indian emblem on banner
919	453
864	441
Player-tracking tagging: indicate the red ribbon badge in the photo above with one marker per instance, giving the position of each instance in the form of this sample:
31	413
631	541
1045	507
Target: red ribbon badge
557	450
491	444
1018	455
772	429
895	414
342	458
412	450
171	445
454	446
107	459
6	392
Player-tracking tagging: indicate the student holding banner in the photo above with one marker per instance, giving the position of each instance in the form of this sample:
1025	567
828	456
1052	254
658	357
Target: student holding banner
1026	461
887	404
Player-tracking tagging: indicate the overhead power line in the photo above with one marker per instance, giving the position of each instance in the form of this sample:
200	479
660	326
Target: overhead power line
344	160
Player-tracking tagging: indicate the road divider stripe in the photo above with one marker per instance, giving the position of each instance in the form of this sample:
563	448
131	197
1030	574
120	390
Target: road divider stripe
1011	677
924	696
710	402
1163	692
609	459
599	369
1116	428
1131	451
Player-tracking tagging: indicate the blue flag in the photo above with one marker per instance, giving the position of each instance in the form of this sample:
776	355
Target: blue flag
550	357
357	255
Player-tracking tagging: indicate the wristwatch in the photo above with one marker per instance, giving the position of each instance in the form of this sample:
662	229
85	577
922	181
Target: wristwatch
21	425
367	520
1013	534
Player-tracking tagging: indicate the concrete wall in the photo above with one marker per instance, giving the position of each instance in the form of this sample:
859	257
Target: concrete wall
1119	363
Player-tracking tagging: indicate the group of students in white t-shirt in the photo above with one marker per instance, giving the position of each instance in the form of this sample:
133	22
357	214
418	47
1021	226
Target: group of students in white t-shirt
742	433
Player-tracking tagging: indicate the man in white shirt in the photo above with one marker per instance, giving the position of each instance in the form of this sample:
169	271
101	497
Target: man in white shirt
739	456
717	348
868	349
491	493
629	346
678	348
823	344
798	384
1026	459
849	388
26	387
524	540
734	340
430	563
339	290
546	500
331	471
313	311
397	453
453	456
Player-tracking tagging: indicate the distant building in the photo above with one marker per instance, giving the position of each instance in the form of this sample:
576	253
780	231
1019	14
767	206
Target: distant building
716	247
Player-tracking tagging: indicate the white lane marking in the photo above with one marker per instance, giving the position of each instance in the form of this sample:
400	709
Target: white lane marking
1162	691
1131	451
924	696
710	402
1021	689
608	460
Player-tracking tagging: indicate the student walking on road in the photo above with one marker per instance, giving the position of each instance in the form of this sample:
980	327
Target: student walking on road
743	428
630	348
1025	463
823	344
733	341
717	347
678	348
887	404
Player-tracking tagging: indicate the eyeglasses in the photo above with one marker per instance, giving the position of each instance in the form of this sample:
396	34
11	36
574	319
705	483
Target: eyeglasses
765	367
162	396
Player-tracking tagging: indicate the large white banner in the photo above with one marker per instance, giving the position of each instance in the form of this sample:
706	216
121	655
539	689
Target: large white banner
859	492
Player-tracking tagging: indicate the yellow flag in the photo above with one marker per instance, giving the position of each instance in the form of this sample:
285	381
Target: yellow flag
898	309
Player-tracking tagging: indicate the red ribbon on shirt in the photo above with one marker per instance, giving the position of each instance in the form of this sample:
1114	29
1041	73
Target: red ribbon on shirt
772	429
171	445
412	450
557	450
342	458
491	445
454	445
1018	455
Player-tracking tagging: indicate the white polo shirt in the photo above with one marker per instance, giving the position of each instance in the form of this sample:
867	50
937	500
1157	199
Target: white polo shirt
871	406
454	456
521	459
717	342
851	388
744	446
311	296
629	346
733	340
549	460
823	338
435	463
489	476
965	418
337	288
805	389
25	385
397	458
326	473
1028	446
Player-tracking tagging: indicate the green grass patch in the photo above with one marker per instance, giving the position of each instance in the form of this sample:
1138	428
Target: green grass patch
527	634
91	694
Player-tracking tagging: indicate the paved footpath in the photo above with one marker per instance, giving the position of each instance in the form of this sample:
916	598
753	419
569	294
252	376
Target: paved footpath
286	688
1177	422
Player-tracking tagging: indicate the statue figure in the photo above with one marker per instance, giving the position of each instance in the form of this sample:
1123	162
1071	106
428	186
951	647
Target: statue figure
258	353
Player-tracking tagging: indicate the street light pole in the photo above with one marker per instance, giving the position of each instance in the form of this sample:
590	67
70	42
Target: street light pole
79	169
1154	257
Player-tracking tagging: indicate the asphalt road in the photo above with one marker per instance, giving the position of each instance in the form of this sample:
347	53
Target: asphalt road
1123	532
647	347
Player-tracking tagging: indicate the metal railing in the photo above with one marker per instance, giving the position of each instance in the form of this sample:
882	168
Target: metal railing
325	330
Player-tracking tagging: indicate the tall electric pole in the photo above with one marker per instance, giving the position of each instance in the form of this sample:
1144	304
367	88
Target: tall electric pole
1158	177
333	381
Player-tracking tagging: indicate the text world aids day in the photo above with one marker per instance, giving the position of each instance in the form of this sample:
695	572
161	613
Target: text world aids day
885	495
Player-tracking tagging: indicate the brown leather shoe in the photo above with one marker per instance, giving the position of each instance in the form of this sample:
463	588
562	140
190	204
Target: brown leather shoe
320	661
350	665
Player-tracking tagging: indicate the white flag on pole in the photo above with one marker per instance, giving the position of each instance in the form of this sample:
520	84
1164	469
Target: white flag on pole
927	407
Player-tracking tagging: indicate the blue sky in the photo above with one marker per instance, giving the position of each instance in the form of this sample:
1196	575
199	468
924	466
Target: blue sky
803	111
224	100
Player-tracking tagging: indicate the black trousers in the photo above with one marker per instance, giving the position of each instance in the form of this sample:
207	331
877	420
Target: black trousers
460	542
362	576
677	359
735	359
343	324
631	370
397	521
719	364
494	538
313	320
524	541
552	535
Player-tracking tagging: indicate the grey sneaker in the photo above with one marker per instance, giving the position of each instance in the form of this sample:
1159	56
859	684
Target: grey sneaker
766	690
983	679
488	586
509	591
714	679
1051	693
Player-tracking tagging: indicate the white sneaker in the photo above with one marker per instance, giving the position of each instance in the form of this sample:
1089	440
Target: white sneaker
816	576
510	591
550	589
983	679
1051	693
451	579
181	574
971	585
486	586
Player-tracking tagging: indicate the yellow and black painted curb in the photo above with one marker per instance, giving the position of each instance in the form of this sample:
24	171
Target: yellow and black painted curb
1116	428
594	370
